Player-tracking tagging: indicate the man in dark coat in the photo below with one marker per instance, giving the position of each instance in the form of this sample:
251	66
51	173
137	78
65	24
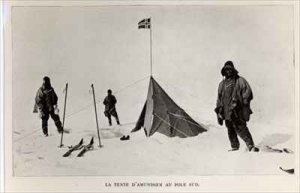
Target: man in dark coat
110	107
233	106
46	104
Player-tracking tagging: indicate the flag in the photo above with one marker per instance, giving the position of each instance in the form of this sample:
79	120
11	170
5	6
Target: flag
145	24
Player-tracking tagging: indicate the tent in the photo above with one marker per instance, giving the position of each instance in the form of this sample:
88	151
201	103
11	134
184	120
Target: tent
161	114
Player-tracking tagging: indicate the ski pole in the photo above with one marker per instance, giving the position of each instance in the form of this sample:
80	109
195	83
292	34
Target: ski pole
64	115
96	115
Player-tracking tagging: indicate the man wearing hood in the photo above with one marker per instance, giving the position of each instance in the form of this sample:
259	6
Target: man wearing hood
233	106
46	105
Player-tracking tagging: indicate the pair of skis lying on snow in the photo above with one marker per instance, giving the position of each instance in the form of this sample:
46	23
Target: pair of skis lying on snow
80	146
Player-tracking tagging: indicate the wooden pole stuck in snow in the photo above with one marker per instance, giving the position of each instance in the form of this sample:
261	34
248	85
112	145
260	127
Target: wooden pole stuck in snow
96	115
64	116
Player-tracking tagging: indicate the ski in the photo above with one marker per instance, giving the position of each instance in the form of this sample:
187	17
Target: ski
86	148
271	149
286	150
73	148
290	171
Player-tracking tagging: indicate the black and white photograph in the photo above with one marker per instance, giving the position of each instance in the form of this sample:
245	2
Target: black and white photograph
147	89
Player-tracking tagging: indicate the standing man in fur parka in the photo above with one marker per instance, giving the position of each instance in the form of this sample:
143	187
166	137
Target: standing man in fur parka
233	107
46	105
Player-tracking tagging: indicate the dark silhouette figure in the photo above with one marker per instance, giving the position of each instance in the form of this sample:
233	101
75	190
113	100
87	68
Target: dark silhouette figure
110	107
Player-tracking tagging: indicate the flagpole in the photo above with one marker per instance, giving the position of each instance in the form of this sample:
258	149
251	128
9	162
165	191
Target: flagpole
150	47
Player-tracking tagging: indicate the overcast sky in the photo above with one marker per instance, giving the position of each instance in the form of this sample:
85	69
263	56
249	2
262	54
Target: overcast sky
102	45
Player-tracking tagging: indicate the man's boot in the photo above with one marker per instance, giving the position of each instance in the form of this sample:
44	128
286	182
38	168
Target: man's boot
253	148
117	119
45	131
59	127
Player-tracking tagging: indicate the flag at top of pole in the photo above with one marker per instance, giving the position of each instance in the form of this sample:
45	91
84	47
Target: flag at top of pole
145	24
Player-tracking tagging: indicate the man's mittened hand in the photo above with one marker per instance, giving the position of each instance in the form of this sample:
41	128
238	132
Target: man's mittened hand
220	121
35	110
216	110
41	114
56	110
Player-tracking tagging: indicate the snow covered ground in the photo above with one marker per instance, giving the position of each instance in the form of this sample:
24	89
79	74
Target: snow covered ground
205	154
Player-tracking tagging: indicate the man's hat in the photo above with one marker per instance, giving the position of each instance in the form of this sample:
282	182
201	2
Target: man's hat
228	65
46	79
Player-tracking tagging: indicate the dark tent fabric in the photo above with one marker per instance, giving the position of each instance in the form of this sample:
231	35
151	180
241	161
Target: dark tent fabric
161	114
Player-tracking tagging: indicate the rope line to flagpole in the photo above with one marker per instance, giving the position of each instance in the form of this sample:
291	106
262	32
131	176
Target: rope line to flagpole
127	86
100	100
